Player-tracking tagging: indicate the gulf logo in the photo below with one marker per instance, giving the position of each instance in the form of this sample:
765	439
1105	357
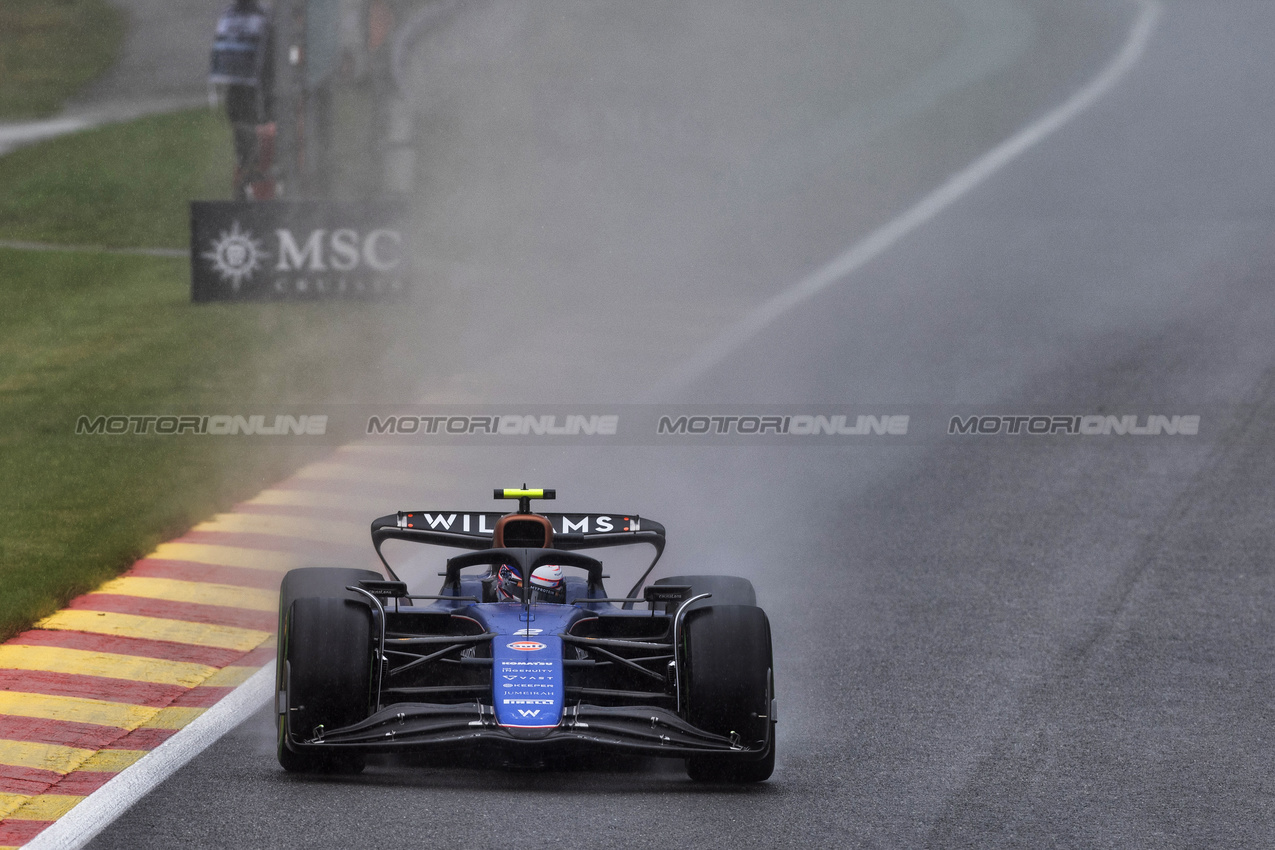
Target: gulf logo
526	645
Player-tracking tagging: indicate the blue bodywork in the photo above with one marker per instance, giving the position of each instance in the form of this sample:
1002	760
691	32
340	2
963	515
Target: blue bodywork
527	681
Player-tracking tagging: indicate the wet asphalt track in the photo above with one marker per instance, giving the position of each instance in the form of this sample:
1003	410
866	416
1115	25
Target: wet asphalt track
980	641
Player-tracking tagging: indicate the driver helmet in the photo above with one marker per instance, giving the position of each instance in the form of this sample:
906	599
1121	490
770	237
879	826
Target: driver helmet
546	584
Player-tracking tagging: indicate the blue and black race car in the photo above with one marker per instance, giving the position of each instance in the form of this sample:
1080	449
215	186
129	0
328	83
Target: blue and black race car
522	649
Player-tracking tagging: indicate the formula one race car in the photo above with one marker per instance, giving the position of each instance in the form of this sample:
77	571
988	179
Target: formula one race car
522	651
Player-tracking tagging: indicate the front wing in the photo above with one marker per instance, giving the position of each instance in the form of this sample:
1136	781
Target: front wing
639	730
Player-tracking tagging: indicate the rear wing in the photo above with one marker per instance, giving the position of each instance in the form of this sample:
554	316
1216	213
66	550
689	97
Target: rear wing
474	530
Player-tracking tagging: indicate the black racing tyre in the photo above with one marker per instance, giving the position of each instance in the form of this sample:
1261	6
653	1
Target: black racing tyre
726	590
315	581
729	687
325	650
321	581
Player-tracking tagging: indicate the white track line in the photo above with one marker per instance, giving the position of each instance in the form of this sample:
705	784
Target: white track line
78	826
17	245
881	240
82	823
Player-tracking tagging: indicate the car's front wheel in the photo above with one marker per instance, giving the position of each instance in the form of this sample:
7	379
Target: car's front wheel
326	651
729	689
726	590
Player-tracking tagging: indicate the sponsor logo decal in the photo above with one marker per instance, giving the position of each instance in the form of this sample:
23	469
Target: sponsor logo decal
296	250
235	255
486	524
528	693
526	645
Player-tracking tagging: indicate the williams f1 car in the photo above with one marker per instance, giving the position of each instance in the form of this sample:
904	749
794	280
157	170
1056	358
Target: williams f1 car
523	650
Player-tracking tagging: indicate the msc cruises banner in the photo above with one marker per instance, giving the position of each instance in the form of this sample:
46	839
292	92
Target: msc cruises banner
296	250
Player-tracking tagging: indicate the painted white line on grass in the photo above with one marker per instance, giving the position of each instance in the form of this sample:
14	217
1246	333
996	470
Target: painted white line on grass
881	240
17	245
29	132
14	135
78	826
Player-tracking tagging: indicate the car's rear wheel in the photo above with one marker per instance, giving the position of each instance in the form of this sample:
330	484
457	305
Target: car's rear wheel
729	688
325	653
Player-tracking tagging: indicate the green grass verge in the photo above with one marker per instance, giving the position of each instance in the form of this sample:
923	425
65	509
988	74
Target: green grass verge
124	185
90	333
50	48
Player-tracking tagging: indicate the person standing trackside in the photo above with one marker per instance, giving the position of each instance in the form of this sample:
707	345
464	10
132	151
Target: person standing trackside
242	69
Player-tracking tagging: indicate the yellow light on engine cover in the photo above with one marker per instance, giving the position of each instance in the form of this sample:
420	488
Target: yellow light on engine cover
511	493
